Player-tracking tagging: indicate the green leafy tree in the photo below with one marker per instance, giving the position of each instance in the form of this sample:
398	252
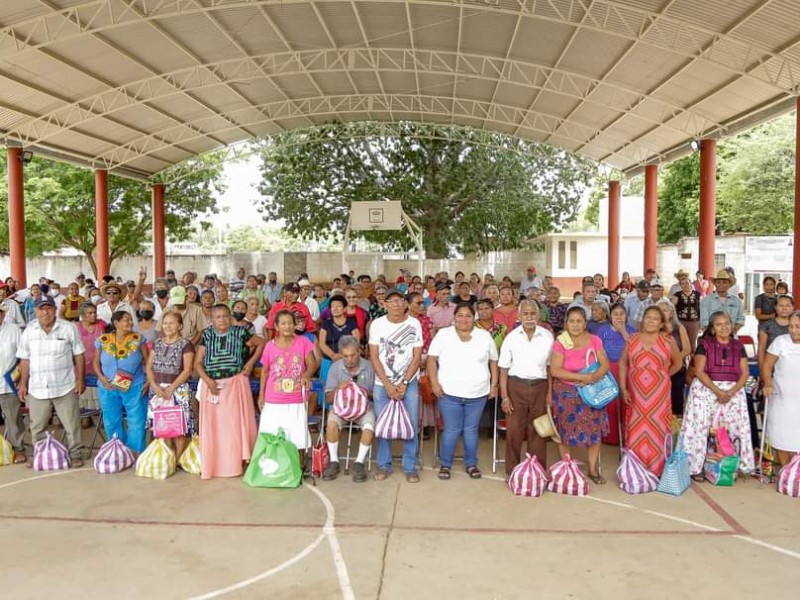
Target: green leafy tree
466	196
679	199
60	209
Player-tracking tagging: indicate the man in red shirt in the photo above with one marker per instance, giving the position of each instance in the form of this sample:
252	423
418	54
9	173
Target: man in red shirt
291	292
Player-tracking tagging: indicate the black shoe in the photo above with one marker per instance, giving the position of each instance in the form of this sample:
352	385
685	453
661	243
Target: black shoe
331	472
359	473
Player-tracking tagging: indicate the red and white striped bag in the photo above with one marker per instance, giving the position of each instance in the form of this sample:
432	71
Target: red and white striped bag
394	422
113	457
50	455
351	402
567	478
789	478
633	476
528	478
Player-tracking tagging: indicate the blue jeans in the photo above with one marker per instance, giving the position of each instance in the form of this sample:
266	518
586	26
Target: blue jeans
112	402
462	416
411	402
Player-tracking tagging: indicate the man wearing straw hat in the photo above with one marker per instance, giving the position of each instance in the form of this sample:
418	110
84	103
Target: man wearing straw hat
722	300
676	287
524	384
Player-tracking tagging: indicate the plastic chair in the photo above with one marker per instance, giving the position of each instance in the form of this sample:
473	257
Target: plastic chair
499	425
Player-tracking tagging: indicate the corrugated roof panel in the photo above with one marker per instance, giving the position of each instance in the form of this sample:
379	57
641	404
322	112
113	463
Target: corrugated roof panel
366	82
776	24
474	89
645	68
16	11
333	83
159	52
340	22
200	36
249	27
299	25
488	34
40	71
92	56
718	15
397	82
593	53
517	95
435	84
558	105
296	86
540	42
386	25
435	27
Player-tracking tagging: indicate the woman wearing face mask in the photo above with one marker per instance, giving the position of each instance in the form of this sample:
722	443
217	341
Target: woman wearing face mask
238	314
95	297
147	326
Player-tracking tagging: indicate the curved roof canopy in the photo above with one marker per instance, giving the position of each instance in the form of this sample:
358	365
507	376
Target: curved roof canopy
136	86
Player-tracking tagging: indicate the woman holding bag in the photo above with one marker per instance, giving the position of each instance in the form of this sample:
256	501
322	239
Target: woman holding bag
120	356
577	423
645	368
169	368
462	366
224	360
721	372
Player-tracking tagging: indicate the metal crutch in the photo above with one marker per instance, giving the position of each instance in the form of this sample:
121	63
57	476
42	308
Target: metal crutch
762	478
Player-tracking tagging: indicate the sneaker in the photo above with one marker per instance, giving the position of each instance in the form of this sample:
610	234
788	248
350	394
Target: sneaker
359	472
331	472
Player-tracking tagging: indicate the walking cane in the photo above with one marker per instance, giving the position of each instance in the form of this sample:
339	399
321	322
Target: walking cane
762	478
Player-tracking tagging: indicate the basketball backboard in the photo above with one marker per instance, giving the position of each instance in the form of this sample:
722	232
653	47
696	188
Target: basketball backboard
376	216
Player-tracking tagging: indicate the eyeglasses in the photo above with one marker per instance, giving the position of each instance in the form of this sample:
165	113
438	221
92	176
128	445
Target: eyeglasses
112	293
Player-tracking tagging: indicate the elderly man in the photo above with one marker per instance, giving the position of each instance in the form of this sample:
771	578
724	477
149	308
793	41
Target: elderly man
531	280
633	301
351	368
656	294
441	312
524	384
112	292
10	334
273	289
722	300
51	375
587	298
395	350
307	299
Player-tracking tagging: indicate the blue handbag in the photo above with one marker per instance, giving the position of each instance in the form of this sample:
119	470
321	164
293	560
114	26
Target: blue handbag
675	479
599	394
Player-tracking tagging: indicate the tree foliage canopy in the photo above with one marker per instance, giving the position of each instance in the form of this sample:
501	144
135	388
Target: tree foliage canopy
60	207
466	194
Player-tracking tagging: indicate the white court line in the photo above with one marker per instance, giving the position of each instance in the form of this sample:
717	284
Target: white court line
774	548
45	476
333	541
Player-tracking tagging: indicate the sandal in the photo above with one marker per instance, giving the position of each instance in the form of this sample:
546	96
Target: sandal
444	473
474	472
698	478
412	477
20	458
381	475
598	479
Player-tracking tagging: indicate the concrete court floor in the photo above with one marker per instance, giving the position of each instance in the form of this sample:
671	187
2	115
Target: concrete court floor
76	534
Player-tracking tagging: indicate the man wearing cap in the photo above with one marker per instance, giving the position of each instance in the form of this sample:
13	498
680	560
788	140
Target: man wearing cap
656	293
531	279
112	292
395	351
10	334
305	298
633	301
442	311
51	375
291	293
191	314
722	300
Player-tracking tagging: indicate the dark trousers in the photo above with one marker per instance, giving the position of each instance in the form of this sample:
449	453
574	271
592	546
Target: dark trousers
529	400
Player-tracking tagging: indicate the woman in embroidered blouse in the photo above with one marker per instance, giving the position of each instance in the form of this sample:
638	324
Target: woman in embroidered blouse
721	370
224	359
687	309
577	423
119	360
287	364
169	368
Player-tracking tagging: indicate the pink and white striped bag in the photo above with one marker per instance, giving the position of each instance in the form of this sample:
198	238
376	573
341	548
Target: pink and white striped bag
528	478
789	478
50	455
351	402
113	457
394	422
633	476
567	478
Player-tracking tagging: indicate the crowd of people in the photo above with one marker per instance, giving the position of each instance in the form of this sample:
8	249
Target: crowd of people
239	357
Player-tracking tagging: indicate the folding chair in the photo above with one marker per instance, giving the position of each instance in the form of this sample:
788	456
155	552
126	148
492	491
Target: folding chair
348	456
499	425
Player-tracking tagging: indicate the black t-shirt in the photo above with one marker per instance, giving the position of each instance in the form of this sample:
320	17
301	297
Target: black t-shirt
334	332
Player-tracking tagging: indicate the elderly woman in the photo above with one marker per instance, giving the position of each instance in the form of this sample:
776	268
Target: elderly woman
721	370
687	310
70	309
577	423
89	329
781	376
169	368
239	316
462	367
677	331
556	309
599	317
119	360
146	327
224	360
647	362
192	294
286	367
771	330
615	335
28	306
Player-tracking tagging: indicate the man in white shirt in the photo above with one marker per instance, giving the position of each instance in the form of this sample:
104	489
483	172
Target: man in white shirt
305	298
10	334
13	311
525	384
112	292
531	280
395	350
51	375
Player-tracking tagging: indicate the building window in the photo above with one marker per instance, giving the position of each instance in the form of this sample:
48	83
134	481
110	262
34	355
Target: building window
562	254
567	255
573	255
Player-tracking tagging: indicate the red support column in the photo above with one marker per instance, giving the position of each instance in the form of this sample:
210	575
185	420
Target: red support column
796	248
159	236
708	206
650	216
101	222
16	215
613	233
